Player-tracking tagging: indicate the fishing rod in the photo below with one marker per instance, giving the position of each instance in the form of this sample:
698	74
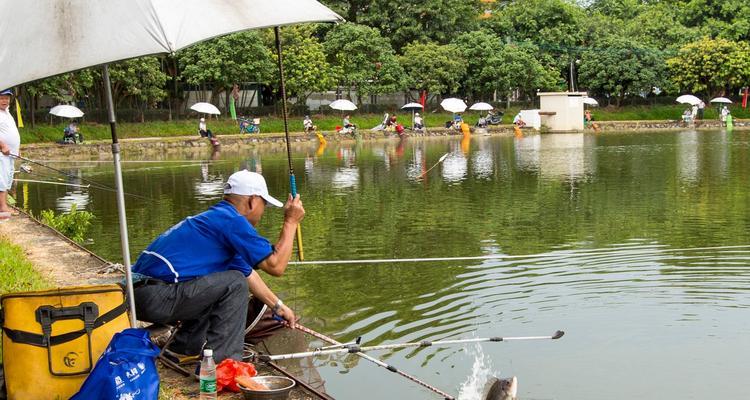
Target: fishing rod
493	257
93	184
436	164
374	360
355	348
52	183
292	178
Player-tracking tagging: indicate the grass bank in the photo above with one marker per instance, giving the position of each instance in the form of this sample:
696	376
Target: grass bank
16	272
44	132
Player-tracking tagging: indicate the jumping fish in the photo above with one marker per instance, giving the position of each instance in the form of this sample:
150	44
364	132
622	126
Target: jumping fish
501	389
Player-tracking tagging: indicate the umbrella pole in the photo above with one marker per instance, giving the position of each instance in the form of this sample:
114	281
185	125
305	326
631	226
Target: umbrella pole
292	178
120	196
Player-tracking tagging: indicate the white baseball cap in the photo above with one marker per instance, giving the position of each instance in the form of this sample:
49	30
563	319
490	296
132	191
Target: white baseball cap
246	183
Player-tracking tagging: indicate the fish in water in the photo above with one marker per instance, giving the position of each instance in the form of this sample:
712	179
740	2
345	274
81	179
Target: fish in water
501	389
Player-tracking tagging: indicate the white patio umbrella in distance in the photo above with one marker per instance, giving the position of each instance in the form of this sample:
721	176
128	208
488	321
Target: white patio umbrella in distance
453	105
590	101
723	100
688	99
66	111
413	107
40	41
205	108
343	105
481	107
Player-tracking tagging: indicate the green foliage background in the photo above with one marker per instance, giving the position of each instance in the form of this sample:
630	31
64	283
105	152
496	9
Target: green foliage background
481	50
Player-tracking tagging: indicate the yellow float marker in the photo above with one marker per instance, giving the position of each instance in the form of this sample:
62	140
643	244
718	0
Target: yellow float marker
18	114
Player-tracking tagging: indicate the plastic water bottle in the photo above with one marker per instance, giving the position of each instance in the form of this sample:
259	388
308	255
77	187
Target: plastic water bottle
208	376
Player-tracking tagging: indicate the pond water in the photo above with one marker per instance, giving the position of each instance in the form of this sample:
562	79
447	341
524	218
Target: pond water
636	244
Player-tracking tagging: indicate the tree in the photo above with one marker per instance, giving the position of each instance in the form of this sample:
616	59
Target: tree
427	20
141	79
64	88
618	66
226	60
477	48
517	67
433	67
711	66
555	26
364	59
350	9
657	25
727	19
305	67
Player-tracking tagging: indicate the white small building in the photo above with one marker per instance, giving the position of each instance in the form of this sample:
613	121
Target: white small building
562	111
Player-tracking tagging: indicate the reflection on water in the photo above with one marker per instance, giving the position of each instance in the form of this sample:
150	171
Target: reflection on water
527	150
455	166
210	186
78	197
566	156
482	160
73	195
687	156
635	244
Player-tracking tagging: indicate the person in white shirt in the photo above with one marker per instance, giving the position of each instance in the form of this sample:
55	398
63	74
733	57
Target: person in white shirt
418	122
10	143
308	125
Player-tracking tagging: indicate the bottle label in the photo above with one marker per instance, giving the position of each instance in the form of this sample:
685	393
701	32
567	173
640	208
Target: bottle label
208	385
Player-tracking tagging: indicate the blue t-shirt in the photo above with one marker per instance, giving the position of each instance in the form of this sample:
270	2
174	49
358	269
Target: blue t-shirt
219	239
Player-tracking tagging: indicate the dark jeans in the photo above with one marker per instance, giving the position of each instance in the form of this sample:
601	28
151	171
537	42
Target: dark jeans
212	308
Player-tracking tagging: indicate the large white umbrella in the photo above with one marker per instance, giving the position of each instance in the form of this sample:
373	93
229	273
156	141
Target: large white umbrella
688	99
66	111
723	100
453	105
412	106
481	107
590	101
42	39
205	108
343	105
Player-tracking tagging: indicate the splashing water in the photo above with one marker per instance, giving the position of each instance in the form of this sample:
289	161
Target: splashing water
481	372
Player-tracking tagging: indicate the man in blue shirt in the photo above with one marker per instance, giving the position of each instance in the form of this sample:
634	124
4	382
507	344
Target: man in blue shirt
200	270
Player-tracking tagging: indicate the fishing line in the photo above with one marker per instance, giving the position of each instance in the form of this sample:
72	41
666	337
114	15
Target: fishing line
497	256
93	184
136	161
52	183
436	164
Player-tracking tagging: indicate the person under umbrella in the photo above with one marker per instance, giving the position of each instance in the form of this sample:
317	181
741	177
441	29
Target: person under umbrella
72	134
418	122
202	129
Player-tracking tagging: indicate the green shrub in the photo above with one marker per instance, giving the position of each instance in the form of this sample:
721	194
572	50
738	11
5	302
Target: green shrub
73	224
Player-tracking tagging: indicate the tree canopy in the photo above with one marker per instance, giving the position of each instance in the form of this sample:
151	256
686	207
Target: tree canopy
479	49
711	66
